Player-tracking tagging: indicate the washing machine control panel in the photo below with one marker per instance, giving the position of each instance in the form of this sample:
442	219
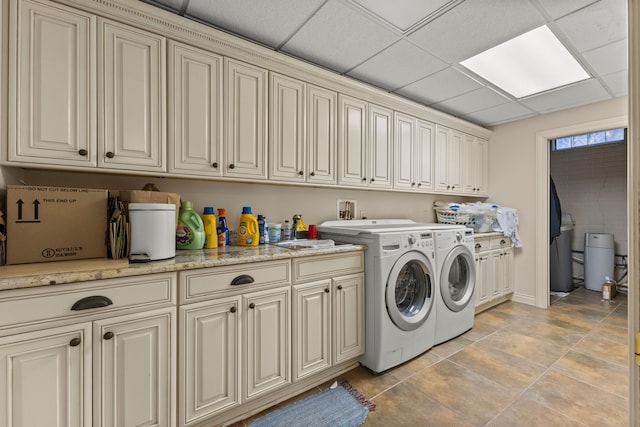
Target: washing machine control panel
419	240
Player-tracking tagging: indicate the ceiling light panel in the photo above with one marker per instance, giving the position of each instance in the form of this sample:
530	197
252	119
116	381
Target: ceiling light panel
532	63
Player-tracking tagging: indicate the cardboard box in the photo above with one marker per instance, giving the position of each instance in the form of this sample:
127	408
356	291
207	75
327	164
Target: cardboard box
608	290
142	196
55	224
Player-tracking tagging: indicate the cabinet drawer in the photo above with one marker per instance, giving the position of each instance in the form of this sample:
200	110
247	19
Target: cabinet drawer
207	283
35	306
500	242
320	267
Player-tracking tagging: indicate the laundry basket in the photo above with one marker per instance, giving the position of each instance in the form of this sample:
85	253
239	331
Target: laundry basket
480	219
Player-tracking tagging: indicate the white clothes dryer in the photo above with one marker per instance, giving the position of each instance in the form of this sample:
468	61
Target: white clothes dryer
400	287
456	283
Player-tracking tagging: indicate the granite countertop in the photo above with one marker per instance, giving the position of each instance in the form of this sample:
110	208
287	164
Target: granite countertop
53	273
488	234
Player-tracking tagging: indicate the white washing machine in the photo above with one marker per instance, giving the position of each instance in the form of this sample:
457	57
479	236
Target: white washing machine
456	283
400	287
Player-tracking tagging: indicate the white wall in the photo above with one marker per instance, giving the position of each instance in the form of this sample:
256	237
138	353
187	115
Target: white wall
513	172
592	187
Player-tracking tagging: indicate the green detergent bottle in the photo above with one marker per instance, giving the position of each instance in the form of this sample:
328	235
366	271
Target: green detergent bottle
190	230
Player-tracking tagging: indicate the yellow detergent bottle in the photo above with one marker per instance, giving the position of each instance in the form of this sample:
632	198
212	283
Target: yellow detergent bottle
248	231
210	228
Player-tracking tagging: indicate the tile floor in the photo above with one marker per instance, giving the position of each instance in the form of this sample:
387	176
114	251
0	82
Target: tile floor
518	366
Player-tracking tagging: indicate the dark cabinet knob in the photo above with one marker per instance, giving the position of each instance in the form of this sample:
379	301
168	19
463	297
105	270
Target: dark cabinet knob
448	187
215	165
326	290
413	184
312	174
339	287
419	185
108	335
82	152
110	154
232	309
372	180
300	173
75	342
252	306
231	166
364	179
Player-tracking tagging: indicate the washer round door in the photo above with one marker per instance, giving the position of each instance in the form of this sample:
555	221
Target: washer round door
409	291
458	278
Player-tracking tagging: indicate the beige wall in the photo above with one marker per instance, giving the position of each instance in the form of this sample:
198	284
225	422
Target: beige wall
513	172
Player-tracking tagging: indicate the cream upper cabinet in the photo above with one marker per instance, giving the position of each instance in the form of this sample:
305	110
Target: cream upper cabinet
321	135
195	111
46	377
474	165
365	141
52	95
245	148
131	98
287	143
448	162
413	140
134	369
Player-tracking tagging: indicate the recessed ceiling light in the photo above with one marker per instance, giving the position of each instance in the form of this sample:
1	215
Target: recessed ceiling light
528	64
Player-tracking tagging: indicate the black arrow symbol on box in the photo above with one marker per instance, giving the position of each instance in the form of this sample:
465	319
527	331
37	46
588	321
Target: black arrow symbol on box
19	203
36	204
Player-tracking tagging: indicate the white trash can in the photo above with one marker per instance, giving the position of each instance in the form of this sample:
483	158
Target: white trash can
598	259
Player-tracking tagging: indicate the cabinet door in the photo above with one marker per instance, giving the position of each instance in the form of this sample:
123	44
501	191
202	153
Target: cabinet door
481	166
497	264
267	328
404	171
246	122
507	284
52	118
311	328
209	358
469	170
134	369
287	144
46	378
424	142
321	135
454	161
348	317
195	111
131	98
380	167
352	141
483	277
441	152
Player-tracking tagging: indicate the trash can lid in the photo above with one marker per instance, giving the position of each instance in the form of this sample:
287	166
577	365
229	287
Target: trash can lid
598	240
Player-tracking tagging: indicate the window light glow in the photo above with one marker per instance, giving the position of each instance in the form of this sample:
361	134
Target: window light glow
528	64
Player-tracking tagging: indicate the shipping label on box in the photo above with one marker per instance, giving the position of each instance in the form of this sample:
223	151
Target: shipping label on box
55	224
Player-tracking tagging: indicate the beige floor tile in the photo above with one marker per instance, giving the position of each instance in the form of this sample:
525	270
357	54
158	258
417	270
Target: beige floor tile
592	302
527	413
506	369
579	401
476	398
618	318
612	332
496	318
538	351
414	365
448	348
596	372
404	405
546	332
595	345
480	330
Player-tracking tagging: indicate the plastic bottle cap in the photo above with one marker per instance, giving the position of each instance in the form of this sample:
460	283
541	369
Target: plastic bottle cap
208	210
186	204
222	212
246	209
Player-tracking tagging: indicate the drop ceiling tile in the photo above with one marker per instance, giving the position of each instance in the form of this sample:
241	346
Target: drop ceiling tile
270	23
617	82
396	66
557	9
437	87
476	25
339	37
608	59
403	14
171	4
479	99
500	114
596	25
579	94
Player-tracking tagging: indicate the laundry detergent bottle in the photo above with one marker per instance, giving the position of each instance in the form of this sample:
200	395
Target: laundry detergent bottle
190	229
210	228
248	231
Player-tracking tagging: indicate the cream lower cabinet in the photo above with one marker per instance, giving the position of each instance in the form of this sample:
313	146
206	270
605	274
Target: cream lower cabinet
494	269
95	353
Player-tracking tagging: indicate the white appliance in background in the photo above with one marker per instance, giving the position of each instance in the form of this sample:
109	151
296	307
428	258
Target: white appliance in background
456	282
400	286
153	231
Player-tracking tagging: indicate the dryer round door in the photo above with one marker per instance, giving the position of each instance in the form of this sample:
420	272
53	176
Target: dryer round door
458	278
409	291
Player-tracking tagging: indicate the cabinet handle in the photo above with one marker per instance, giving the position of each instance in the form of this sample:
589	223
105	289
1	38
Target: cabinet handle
478	245
326	290
110	154
243	279
108	335
252	306
372	180
75	342
231	166
312	174
419	184
94	301
82	152
300	173
233	309
339	287
502	242
364	179
448	187
413	184
215	165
